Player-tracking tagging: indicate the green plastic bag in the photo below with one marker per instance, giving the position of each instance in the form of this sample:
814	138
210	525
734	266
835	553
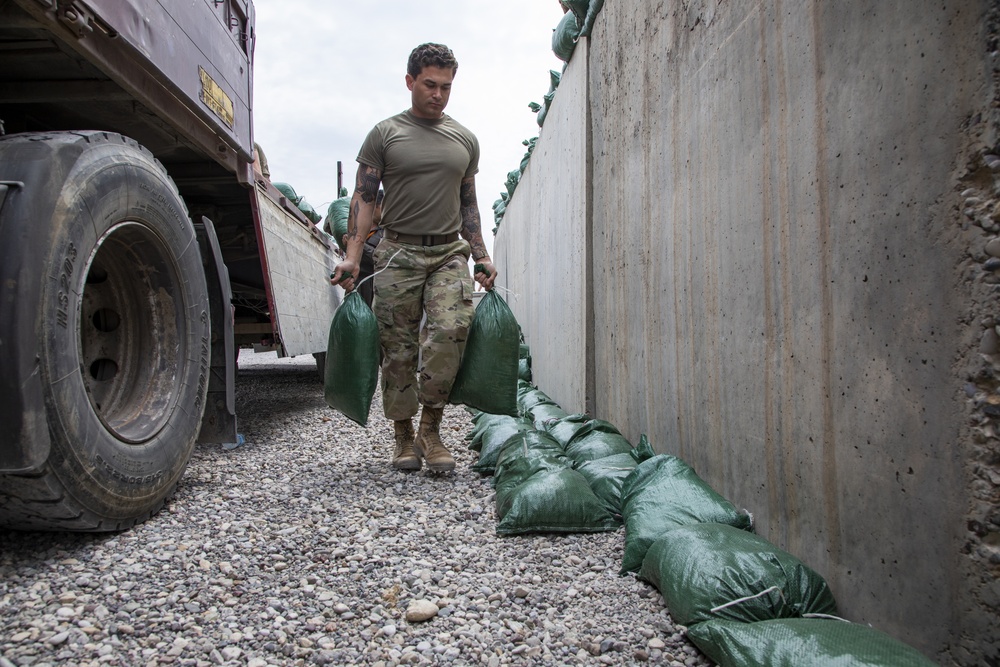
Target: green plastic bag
709	570
793	642
352	358
517	471
335	223
487	378
493	440
596	444
483	422
288	191
550	499
564	37
524	363
528	397
528	444
663	493
606	476
308	211
544	413
566	428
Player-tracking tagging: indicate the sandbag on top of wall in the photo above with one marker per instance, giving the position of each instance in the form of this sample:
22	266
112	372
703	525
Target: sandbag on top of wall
792	642
709	571
663	493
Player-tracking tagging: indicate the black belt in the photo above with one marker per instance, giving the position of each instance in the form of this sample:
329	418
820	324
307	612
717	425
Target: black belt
422	239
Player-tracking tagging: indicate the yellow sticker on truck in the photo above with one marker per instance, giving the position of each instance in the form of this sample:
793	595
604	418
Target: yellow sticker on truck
215	98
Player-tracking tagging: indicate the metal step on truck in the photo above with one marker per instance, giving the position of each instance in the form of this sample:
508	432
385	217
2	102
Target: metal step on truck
139	250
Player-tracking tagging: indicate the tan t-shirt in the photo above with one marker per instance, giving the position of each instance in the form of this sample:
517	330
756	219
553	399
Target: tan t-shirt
423	163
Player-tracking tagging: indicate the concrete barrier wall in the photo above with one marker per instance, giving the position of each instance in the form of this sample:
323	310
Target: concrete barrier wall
543	248
767	198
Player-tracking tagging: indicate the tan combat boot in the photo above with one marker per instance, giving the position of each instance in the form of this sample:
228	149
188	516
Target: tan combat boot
404	457
428	441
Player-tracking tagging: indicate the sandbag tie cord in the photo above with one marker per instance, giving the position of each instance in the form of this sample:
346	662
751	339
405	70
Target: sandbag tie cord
750	597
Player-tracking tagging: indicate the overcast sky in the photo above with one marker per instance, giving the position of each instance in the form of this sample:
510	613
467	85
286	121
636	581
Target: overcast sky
327	70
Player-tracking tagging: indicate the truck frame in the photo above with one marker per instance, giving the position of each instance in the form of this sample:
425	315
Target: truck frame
139	250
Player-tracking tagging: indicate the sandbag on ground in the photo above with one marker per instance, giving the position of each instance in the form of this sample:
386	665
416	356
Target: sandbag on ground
593	443
663	493
481	423
543	495
493	440
565	428
528	444
708	571
528	397
606	476
543	413
793	642
524	363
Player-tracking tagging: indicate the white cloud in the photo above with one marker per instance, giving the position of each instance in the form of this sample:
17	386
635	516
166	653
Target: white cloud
325	72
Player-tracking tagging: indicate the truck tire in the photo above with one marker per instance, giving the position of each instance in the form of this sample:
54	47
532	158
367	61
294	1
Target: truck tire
111	324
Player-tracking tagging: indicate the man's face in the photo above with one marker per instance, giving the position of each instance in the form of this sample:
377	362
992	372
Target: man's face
430	91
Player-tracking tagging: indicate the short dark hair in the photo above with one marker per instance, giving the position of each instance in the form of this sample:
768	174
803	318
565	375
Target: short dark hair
430	55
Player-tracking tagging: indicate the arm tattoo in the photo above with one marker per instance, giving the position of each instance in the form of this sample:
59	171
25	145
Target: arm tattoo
367	185
471	225
366	190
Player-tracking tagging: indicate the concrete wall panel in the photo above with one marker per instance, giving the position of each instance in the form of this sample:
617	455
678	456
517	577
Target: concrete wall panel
779	279
541	245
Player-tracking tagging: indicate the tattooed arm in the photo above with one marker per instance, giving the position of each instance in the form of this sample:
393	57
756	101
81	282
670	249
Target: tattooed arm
473	233
359	223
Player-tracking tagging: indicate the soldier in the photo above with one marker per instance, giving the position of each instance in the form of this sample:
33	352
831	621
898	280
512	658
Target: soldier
430	218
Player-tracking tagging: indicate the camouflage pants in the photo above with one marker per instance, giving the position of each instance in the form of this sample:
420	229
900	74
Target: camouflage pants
431	280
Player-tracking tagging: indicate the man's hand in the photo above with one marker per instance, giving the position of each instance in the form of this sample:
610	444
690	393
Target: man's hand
485	273
344	275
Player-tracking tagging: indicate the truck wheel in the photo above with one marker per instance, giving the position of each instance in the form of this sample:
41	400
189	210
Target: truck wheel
115	286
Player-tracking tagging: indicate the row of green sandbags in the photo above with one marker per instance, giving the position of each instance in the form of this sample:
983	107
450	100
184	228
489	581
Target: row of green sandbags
747	602
300	202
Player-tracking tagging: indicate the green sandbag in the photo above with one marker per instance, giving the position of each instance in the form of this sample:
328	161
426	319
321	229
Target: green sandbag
481	423
517	471
335	223
487	378
663	493
643	451
528	397
528	444
493	440
564	37
606	476
524	363
551	500
793	642
708	571
308	211
352	358
592	443
287	190
586	12
574	427
544	413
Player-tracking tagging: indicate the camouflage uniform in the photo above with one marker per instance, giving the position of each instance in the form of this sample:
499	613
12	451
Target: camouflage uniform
431	279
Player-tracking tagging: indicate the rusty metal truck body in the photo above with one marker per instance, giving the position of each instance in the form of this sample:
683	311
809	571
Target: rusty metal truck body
139	249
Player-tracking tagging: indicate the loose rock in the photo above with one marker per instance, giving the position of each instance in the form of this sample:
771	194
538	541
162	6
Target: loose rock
304	547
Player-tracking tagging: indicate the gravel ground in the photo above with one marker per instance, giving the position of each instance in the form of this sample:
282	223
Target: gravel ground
303	547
